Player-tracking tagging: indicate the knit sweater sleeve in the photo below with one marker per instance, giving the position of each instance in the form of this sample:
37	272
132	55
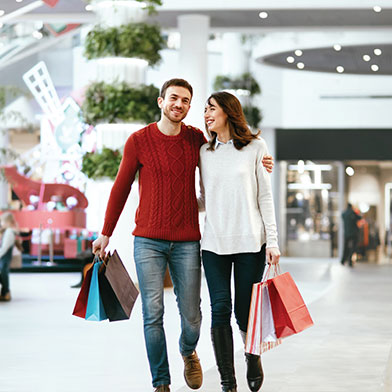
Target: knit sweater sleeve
122	186
265	199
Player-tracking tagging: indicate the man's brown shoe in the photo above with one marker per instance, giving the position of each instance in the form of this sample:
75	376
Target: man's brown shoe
5	297
162	388
192	371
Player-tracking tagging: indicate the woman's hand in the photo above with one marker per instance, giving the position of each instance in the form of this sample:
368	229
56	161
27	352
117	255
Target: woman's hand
272	255
268	163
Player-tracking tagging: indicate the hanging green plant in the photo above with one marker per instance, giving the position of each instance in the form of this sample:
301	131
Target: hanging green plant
120	102
137	40
97	165
244	82
253	115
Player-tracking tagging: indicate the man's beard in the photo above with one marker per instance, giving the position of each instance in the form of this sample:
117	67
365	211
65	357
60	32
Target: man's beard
168	115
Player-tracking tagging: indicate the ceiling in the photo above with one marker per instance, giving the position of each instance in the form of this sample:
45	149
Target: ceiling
296	20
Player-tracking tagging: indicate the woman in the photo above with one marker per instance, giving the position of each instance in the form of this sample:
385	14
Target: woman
240	228
8	226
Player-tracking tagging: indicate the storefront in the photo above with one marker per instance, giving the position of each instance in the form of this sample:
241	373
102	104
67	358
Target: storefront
322	170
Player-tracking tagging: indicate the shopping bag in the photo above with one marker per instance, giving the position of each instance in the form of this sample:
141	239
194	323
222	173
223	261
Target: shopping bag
111	304
95	310
81	301
288	307
124	289
261	334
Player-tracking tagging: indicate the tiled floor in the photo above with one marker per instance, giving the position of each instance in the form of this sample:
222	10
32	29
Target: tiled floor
45	349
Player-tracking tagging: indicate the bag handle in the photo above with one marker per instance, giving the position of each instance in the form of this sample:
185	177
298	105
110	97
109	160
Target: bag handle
276	272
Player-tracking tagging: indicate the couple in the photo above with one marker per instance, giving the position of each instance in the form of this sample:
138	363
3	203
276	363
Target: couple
240	227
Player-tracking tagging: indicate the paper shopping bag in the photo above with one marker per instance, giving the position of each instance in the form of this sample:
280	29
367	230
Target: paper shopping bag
261	334
95	310
112	305
81	302
121	284
288	307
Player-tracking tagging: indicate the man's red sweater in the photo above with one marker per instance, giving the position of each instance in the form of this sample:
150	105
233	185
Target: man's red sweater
167	198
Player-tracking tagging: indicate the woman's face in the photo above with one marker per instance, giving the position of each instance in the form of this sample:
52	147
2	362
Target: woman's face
214	117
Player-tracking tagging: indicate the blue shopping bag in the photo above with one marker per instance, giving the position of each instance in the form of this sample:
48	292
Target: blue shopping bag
95	310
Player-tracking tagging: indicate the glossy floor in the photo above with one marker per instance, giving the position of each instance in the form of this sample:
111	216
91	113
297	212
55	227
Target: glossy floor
45	349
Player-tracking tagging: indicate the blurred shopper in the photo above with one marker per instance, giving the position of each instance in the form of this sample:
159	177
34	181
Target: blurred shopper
167	232
240	229
8	241
351	233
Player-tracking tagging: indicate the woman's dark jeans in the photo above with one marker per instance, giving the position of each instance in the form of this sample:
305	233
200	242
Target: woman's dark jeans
248	269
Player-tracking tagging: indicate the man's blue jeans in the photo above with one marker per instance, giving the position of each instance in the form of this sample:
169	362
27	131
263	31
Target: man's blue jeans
152	257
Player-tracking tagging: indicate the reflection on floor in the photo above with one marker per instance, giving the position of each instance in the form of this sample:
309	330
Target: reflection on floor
45	349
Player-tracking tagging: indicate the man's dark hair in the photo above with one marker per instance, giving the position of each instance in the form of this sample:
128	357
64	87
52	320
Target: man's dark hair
175	82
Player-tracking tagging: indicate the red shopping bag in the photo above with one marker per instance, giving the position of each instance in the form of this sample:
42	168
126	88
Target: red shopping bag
288	307
261	334
81	302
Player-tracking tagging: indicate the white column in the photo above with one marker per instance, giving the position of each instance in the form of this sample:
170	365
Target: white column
234	57
4	142
194	30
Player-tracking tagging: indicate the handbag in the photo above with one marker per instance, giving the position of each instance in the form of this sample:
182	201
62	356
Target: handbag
261	334
95	310
119	293
81	301
288	307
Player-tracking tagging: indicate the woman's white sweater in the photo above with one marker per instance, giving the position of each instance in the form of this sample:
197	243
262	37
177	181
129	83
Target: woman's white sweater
237	198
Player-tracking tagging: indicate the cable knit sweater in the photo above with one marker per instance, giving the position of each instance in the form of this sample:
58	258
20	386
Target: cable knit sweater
236	193
167	199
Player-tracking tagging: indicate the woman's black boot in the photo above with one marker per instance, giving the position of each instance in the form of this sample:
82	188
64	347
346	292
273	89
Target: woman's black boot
254	373
222	341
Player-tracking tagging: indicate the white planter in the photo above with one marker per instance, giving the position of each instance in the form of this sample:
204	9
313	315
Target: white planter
120	69
117	13
114	136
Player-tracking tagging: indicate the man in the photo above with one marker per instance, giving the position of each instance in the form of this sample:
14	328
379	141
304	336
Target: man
351	232
167	233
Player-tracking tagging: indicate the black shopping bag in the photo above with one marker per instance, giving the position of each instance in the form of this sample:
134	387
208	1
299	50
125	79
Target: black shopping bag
118	292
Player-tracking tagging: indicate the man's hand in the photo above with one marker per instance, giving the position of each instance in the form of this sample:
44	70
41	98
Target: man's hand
268	163
272	255
99	246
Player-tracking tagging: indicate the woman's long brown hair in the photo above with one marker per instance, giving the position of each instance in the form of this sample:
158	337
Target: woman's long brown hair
239	129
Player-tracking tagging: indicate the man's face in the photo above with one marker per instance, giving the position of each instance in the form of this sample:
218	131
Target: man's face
176	104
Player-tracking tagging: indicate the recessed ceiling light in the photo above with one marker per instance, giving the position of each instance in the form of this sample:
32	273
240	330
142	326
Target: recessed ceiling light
377	52
37	34
88	7
2	12
18	1
290	59
300	65
374	67
337	47
350	171
366	57
263	15
298	52
377	8
340	69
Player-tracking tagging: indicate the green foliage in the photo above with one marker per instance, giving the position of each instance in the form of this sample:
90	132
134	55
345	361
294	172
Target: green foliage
138	40
253	115
244	82
101	164
120	102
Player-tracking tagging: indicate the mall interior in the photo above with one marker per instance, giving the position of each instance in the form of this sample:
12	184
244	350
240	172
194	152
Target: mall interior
77	77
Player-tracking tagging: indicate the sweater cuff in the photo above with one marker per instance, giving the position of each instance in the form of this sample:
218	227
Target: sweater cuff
108	228
272	244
